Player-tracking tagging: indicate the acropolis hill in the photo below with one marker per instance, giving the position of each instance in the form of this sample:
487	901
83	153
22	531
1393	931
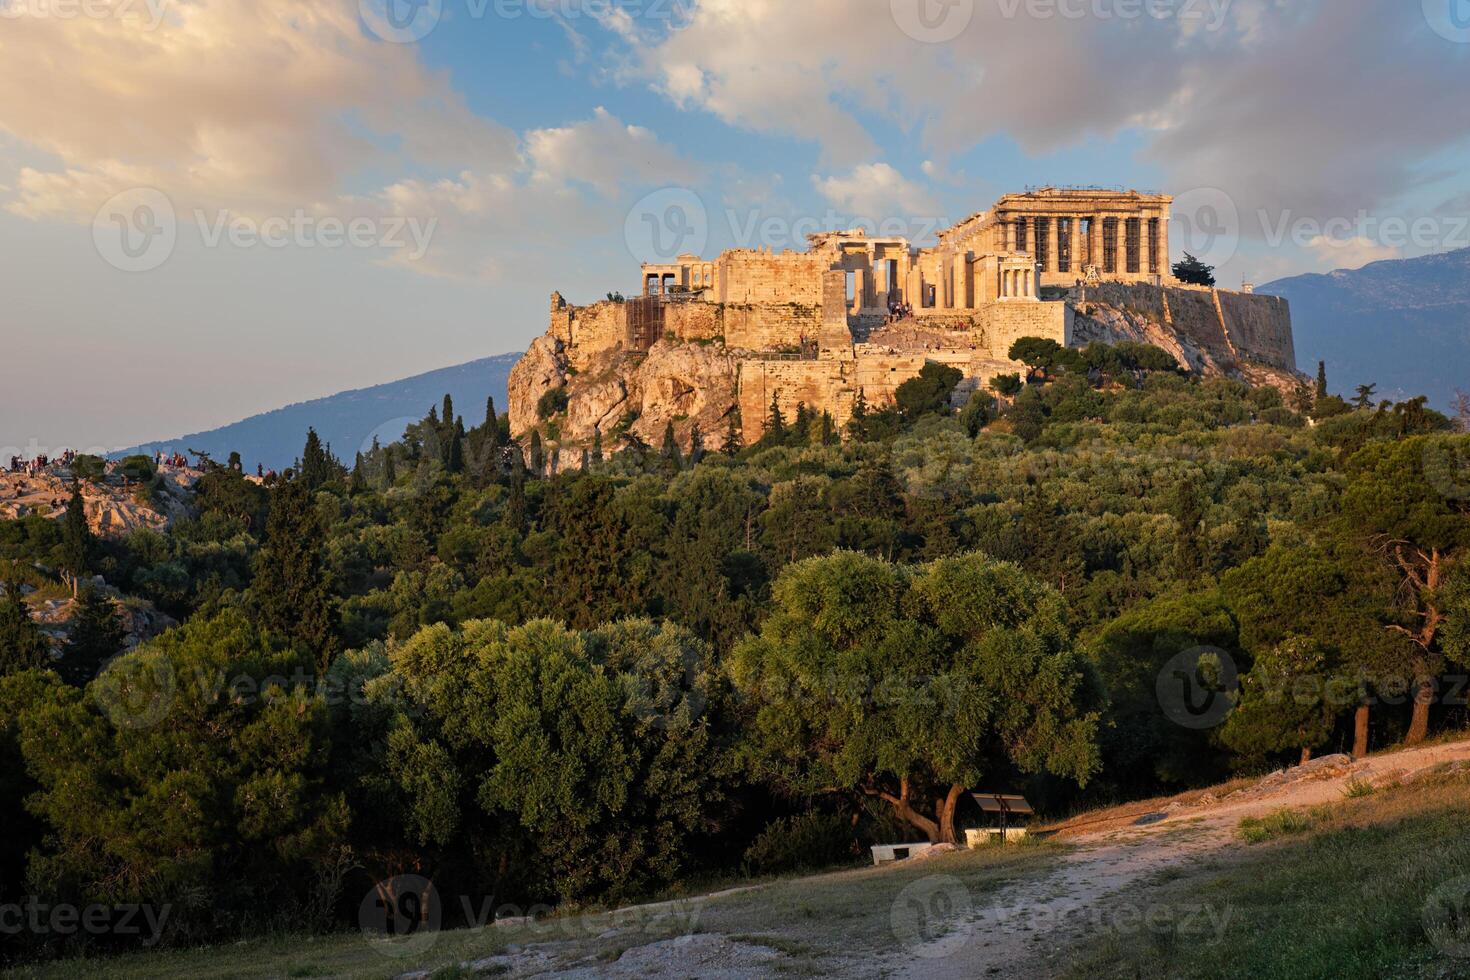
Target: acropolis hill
708	338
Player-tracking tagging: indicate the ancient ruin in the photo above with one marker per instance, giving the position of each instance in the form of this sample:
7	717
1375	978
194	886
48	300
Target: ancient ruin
861	314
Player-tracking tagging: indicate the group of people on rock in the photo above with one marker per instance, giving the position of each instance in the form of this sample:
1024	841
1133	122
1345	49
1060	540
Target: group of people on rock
898	310
34	467
175	460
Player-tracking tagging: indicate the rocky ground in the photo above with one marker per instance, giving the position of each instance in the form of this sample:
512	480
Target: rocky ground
113	509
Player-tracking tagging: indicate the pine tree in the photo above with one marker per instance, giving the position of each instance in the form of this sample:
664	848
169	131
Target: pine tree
857	426
22	646
96	637
291	589
538	454
829	429
77	543
1364	397
1321	379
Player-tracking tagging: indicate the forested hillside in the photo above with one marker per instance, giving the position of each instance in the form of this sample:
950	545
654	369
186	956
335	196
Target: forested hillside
536	680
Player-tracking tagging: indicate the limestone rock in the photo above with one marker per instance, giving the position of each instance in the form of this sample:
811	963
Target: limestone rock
542	369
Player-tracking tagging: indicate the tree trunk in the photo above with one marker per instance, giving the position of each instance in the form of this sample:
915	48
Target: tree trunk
1306	755
1423	697
946	814
909	815
1360	732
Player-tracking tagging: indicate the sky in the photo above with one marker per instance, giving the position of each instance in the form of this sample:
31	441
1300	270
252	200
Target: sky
212	208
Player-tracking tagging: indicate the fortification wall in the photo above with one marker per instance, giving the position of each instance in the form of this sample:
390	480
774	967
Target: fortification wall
693	322
1225	323
770	326
588	331
1002	324
746	277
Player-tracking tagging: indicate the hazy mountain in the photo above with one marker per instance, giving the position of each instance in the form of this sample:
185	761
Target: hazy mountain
1402	324
349	420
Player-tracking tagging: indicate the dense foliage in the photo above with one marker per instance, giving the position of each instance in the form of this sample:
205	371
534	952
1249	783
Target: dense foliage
533	682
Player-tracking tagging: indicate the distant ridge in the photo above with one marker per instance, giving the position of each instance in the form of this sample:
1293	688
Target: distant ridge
349	420
1402	324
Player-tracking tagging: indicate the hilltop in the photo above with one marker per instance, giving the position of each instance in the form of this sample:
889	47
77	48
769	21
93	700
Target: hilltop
1402	324
347	420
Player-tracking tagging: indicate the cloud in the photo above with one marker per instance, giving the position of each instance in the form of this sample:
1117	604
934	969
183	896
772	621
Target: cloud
1350	253
876	191
1300	104
606	153
252	106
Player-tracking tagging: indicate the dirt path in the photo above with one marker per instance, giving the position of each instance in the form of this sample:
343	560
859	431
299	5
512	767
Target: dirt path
1029	922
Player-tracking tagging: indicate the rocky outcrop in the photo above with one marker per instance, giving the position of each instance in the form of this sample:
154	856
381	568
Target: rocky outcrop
621	391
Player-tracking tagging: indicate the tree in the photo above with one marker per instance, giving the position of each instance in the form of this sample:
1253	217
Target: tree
596	445
538	455
317	466
1008	385
77	543
910	685
775	432
1321	391
1364	397
1396	506
291	588
1194	272
22	645
696	445
929	393
1189	510
732	445
669	451
455	462
358	484
96	637
155	783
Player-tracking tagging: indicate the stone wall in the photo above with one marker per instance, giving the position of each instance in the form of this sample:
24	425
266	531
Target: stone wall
1002	324
770	326
744	277
1228	324
693	322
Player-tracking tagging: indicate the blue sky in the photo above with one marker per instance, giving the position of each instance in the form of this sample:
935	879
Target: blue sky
344	209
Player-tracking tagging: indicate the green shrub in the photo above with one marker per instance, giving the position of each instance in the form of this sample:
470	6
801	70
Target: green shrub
1281	823
551	403
807	842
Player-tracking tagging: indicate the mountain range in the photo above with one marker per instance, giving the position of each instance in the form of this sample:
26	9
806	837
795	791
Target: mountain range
1402	324
348	421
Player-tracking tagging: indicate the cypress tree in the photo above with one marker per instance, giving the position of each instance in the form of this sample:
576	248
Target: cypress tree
732	434
1321	379
696	445
775	423
448	414
597	444
77	543
670	449
586	461
390	469
316	464
359	478
829	429
455	462
514	514
538	454
290	588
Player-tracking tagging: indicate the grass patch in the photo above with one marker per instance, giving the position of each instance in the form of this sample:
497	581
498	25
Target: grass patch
1281	823
1356	789
1343	897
